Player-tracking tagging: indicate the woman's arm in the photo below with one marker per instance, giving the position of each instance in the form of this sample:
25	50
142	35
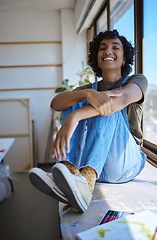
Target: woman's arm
64	100
130	93
105	103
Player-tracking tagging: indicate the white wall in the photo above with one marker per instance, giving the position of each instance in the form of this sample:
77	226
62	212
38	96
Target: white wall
31	26
74	47
39	26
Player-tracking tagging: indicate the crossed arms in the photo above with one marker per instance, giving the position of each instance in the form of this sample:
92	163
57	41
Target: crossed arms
102	103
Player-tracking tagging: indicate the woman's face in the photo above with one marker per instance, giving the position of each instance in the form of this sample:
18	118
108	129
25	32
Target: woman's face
111	55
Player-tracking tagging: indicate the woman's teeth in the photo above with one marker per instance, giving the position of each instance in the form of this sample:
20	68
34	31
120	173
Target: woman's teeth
108	59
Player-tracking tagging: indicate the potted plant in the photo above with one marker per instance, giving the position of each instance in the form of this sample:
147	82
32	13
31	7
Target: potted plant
85	76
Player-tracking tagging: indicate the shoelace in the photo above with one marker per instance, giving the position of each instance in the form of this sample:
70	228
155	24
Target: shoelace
80	178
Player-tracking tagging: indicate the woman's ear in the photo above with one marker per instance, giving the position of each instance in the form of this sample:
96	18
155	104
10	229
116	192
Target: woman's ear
123	63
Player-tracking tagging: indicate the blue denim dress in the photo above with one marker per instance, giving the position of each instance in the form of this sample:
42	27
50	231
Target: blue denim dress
106	144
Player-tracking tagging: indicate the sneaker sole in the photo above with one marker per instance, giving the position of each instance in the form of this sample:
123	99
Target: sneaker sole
66	183
43	183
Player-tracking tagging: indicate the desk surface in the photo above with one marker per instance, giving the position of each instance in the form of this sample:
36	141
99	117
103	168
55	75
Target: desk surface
135	196
5	145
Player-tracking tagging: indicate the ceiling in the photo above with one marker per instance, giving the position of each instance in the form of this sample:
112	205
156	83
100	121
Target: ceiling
36	5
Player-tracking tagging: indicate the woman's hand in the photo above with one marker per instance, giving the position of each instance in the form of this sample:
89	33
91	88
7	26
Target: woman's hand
63	137
103	101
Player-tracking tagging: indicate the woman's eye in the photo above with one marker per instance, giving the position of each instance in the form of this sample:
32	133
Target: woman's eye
102	49
117	48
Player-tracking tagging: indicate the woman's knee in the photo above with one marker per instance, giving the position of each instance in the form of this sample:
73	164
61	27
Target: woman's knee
121	176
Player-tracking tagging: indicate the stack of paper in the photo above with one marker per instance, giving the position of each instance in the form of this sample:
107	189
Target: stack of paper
140	226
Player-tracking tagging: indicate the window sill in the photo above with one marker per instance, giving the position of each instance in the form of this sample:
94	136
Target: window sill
150	150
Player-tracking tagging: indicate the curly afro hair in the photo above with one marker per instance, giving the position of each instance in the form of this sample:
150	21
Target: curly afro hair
129	52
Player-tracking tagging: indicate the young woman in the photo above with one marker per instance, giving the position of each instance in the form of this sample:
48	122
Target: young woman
101	136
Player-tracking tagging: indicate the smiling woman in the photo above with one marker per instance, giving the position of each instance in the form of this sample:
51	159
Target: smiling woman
101	134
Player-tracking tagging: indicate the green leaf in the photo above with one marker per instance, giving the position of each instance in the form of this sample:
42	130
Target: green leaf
71	86
60	89
81	83
86	81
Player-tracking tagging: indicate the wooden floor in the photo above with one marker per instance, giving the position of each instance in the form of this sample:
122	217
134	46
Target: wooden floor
28	214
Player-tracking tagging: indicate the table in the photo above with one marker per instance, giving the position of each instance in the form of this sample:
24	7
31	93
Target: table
5	145
135	196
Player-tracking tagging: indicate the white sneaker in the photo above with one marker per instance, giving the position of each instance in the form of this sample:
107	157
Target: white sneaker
75	188
44	182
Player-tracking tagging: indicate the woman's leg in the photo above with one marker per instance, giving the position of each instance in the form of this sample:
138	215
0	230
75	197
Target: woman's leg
125	160
103	146
106	145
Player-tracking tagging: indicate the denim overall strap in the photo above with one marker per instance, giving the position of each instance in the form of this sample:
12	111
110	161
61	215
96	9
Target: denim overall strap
125	80
124	111
95	85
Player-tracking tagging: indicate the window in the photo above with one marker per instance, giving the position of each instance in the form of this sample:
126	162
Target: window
150	52
102	22
122	19
137	21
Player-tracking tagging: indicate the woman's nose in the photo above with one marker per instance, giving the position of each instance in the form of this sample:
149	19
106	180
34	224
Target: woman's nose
108	51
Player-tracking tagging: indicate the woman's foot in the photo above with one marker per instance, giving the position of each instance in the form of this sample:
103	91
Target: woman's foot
75	187
44	182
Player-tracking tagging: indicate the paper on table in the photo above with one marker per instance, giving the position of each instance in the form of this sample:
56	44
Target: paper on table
5	145
132	227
